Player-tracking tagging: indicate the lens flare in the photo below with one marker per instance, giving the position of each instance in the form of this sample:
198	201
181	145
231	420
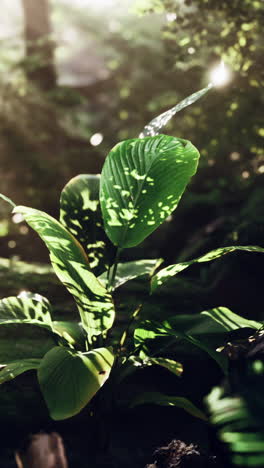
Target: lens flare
220	75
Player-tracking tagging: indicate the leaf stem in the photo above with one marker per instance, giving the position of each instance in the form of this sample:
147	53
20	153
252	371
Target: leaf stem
113	269
125	332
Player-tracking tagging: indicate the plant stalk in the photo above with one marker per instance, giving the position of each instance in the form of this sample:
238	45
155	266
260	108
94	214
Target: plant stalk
113	270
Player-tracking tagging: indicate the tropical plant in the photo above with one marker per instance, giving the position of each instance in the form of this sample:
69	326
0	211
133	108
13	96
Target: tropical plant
141	184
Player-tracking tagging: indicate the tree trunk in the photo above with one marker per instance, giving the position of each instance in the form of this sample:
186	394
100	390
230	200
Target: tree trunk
39	45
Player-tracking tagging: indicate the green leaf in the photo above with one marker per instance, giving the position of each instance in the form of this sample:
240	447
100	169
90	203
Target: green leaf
69	380
200	330
80	213
71	332
142	182
24	341
71	265
27	308
169	364
8	200
130	270
13	369
145	332
229	320
172	270
153	128
166	400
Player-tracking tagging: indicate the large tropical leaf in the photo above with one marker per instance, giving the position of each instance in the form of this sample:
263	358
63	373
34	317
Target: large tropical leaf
71	265
142	182
172	270
24	341
27	307
13	369
230	321
157	398
80	213
153	128
69	380
130	270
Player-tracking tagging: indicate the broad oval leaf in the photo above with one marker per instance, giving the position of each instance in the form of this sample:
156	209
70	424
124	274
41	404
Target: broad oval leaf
13	369
142	182
27	307
153	128
128	271
80	213
157	398
69	380
71	265
172	270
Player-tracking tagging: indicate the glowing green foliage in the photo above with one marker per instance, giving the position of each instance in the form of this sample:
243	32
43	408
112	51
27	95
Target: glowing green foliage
71	265
141	184
27	307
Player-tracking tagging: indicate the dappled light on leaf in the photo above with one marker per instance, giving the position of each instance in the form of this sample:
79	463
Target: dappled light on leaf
80	213
71	265
27	307
141	184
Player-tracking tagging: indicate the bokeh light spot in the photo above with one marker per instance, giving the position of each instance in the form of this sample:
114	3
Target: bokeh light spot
96	139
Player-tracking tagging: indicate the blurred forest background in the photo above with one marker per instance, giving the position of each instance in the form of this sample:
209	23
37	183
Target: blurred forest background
77	76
